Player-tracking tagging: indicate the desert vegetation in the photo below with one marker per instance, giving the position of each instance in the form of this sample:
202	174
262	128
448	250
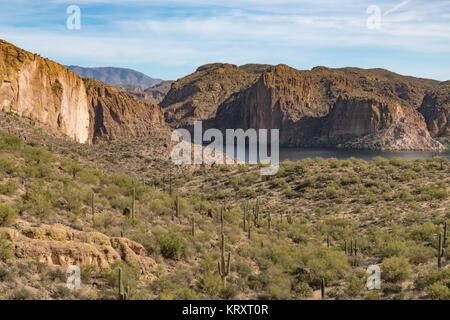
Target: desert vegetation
226	232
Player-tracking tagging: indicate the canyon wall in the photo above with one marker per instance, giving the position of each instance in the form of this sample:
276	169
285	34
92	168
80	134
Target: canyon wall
35	87
86	111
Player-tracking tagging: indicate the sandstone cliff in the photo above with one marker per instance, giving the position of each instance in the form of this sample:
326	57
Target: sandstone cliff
117	115
44	90
86	111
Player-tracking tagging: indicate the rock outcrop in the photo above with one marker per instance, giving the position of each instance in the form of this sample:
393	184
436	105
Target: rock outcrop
197	96
373	124
44	90
62	246
436	110
116	115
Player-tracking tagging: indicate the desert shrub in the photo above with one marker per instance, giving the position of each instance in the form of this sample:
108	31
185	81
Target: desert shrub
302	289
38	201
5	248
90	176
424	232
88	272
37	155
326	264
417	254
8	188
395	269
210	284
8	215
22	294
355	283
7	165
172	244
9	143
439	291
428	277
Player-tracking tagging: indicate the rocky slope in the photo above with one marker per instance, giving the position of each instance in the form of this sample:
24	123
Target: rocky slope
111	75
436	110
44	90
86	111
153	95
322	107
198	95
118	115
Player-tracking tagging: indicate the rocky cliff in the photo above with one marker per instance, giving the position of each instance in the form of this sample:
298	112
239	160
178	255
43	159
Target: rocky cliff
86	111
44	90
117	115
436	110
328	107
197	96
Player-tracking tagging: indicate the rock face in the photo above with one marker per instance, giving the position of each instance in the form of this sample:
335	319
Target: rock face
368	123
154	95
61	246
197	96
44	90
328	107
87	111
436	110
118	115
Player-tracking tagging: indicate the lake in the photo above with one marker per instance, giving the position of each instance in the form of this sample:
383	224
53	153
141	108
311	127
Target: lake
295	154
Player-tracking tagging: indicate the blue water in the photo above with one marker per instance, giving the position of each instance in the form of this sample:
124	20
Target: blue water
295	154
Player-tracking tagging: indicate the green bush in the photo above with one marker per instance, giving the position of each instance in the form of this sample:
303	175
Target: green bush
5	248
8	188
439	291
8	215
395	269
172	245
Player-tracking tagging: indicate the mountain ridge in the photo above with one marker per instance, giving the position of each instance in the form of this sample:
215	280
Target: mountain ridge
115	76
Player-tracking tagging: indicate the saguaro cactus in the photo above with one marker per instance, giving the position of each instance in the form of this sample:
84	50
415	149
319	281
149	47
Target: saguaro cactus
441	250
444	245
133	204
269	221
92	204
223	266
123	293
322	288
193	226
177	206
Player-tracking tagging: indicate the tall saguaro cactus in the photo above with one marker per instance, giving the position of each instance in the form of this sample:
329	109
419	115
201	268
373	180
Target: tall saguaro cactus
177	206
123	293
92	203
223	266
322	289
441	250
444	245
193	226
133	204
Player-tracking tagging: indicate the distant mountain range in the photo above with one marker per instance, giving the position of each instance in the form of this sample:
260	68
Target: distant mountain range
116	76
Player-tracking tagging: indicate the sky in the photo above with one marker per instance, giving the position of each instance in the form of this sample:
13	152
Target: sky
169	39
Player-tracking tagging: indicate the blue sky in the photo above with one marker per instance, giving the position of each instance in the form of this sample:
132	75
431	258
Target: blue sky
170	38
